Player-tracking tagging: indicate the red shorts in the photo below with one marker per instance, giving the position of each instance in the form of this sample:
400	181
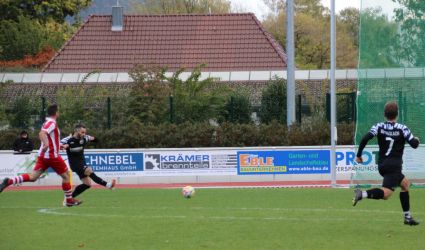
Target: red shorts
58	164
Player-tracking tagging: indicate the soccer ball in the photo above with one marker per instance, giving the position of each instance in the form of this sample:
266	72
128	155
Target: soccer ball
188	192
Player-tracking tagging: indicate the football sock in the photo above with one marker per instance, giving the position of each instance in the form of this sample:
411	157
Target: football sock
18	179
79	189
364	194
375	193
98	180
407	214
67	189
405	203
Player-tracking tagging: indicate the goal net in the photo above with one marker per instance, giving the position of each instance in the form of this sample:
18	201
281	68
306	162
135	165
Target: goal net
391	68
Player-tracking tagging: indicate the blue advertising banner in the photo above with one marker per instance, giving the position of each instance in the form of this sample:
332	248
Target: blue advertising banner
115	162
284	162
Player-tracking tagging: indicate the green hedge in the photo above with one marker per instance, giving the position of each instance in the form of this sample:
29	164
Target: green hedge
139	135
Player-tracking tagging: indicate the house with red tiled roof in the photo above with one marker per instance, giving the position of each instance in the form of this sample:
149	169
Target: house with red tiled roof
116	43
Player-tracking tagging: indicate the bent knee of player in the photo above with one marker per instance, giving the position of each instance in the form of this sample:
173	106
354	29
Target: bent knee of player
34	175
88	171
33	178
65	177
404	185
387	193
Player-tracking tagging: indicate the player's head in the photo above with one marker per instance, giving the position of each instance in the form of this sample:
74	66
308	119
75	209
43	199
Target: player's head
80	130
391	111
53	111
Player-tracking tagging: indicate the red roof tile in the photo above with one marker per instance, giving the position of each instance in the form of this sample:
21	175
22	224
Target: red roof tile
228	42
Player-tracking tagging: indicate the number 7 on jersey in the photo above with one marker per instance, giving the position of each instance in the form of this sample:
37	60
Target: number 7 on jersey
390	146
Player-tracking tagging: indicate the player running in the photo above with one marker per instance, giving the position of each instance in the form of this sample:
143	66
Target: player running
391	139
74	145
48	156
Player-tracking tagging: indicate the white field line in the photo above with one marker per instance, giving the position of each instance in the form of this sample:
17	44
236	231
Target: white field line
277	209
61	211
54	211
259	186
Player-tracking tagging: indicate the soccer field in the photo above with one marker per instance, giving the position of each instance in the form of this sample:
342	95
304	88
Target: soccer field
262	218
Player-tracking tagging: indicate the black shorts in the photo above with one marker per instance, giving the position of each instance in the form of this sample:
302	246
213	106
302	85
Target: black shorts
392	175
79	169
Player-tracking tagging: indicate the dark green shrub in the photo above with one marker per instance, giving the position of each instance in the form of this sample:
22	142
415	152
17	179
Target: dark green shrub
20	114
237	109
273	134
237	135
273	101
139	135
196	99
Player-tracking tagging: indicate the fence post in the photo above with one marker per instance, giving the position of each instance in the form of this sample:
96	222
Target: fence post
353	106
171	103
299	103
232	109
108	103
348	107
43	109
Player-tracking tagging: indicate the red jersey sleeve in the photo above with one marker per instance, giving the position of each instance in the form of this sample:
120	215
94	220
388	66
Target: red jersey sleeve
49	127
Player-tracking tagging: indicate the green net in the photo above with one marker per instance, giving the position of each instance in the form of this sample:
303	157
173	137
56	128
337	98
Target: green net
391	68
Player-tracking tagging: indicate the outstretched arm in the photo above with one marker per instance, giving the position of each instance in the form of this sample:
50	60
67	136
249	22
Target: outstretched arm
90	138
65	142
362	145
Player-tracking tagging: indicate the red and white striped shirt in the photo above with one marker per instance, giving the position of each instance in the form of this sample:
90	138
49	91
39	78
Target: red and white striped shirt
53	134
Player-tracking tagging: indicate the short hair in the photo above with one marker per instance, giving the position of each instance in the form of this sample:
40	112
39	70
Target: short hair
391	110
52	110
23	132
79	126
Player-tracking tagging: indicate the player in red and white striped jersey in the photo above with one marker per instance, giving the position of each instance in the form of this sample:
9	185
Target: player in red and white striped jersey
48	156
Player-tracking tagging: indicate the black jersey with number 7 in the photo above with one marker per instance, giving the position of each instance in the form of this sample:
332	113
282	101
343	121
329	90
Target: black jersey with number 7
391	139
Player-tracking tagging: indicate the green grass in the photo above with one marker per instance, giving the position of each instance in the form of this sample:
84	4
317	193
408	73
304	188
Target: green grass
214	219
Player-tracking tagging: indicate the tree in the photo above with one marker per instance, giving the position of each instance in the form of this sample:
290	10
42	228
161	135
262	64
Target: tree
20	38
181	6
196	99
193	99
20	114
27	37
310	7
273	101
149	96
238	108
3	117
29	63
378	41
312	36
41	10
27	26
412	32
349	18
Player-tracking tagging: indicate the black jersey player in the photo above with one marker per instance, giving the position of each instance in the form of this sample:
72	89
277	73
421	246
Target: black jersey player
74	145
391	139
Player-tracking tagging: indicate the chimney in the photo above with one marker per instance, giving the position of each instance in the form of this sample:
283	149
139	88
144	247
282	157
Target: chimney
117	18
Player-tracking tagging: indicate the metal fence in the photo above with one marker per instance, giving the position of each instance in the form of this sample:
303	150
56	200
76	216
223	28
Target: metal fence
110	112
